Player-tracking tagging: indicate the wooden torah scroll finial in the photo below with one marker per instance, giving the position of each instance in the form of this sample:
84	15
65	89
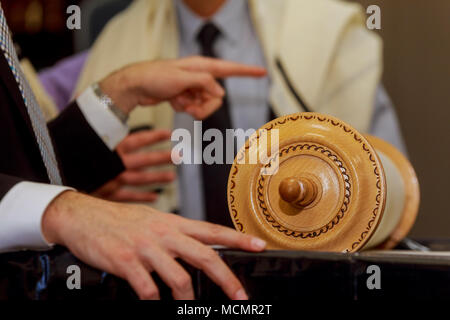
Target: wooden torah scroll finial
299	192
326	187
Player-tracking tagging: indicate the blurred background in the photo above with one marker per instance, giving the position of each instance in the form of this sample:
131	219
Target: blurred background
416	36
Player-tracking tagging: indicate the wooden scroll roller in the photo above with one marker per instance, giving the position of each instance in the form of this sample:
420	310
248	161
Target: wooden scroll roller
325	187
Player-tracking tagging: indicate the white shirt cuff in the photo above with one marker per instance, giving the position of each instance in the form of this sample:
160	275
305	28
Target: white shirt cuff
104	122
21	212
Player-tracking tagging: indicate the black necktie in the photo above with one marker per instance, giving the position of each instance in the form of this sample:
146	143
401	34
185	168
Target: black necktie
215	176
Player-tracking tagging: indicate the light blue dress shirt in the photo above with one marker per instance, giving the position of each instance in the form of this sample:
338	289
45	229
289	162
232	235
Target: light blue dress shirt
248	97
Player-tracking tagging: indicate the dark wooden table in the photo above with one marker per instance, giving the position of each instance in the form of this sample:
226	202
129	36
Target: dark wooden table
271	275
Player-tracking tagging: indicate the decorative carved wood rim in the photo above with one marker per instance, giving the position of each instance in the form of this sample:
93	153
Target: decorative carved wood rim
234	213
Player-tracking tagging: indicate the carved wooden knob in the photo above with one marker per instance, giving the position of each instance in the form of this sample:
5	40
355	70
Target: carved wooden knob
299	192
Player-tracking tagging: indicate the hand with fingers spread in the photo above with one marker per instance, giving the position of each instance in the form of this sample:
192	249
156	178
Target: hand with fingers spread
137	164
130	241
188	84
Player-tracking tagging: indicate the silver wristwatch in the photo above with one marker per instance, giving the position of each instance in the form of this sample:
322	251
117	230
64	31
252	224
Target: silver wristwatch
107	101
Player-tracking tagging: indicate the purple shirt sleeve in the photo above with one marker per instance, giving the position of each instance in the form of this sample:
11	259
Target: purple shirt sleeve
60	80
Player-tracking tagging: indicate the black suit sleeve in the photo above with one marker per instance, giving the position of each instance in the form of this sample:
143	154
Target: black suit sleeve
85	160
6	183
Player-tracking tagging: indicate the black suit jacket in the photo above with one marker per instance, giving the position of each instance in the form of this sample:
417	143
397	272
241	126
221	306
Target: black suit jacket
85	161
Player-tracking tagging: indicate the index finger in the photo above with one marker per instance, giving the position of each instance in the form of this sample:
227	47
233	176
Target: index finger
210	233
221	68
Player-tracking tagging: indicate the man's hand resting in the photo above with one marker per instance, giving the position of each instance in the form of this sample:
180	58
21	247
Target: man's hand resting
188	84
130	241
137	163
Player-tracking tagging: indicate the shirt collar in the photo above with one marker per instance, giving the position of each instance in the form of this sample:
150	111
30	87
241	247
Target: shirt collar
229	19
